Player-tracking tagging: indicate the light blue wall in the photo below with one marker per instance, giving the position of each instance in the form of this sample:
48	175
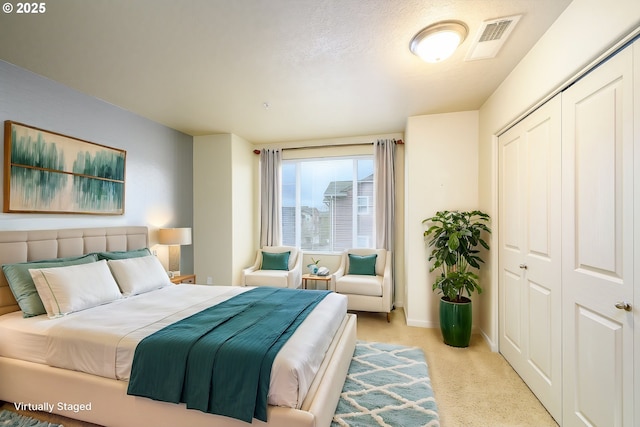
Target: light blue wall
159	181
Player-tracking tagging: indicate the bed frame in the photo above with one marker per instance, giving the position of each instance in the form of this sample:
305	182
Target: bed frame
110	405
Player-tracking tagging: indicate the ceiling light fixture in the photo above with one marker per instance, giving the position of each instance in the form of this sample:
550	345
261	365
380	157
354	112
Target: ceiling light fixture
437	42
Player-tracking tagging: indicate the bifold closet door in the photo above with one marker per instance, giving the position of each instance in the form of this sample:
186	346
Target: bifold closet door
597	246
530	252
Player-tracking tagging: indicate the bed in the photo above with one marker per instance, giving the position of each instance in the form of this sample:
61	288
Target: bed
26	379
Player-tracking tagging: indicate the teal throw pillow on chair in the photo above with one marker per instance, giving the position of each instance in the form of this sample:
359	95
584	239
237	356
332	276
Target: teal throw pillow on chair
362	264
275	261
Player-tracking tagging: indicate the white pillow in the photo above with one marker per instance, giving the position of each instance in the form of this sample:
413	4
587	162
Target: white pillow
139	275
64	290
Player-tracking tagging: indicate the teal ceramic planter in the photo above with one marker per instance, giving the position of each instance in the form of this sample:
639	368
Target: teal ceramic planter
455	322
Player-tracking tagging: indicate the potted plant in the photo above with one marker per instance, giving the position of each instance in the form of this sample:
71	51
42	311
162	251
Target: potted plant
454	238
313	267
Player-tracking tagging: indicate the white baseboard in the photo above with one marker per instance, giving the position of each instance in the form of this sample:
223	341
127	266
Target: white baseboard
421	323
428	324
492	345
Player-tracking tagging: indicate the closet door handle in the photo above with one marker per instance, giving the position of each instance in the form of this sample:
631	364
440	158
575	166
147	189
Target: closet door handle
623	306
523	266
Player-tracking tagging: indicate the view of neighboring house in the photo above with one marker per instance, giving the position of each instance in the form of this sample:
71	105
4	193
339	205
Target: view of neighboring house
327	203
338	197
329	227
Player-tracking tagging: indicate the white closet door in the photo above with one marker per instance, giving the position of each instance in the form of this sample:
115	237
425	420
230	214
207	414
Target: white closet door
597	242
530	252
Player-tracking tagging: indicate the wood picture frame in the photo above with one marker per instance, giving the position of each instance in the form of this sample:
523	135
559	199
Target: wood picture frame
47	172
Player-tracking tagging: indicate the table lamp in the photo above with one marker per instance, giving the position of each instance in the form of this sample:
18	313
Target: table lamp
174	238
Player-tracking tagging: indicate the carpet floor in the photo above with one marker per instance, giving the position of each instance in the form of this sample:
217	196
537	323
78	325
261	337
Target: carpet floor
387	385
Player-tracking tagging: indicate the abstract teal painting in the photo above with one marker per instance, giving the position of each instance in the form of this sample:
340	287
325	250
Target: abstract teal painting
49	172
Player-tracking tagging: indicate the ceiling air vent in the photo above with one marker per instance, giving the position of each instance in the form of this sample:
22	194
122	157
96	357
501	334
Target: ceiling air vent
490	37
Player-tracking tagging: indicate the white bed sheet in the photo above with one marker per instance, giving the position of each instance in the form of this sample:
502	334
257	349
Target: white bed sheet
102	340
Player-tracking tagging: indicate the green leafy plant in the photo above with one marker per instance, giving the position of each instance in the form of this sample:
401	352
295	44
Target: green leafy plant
313	267
454	238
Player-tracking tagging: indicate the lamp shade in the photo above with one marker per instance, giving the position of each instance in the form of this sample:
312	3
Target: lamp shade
174	236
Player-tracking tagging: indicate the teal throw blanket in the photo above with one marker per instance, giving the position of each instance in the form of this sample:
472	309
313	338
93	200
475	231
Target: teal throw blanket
219	360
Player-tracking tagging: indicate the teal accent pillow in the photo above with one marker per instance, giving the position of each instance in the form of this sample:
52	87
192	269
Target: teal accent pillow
363	264
23	288
136	253
275	261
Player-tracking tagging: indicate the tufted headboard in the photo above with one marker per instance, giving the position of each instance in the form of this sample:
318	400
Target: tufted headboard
33	245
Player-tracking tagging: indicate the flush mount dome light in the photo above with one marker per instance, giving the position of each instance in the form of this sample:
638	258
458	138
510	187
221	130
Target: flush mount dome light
437	42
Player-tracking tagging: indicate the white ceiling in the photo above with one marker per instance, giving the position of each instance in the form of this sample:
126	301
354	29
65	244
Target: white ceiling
326	68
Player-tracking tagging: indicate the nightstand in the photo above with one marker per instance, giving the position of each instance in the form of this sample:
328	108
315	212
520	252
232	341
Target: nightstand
307	277
185	278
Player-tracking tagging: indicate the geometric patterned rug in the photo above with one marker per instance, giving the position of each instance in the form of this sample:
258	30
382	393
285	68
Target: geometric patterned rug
13	419
387	385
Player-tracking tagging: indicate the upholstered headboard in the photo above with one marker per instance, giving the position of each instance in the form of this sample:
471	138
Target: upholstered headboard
33	245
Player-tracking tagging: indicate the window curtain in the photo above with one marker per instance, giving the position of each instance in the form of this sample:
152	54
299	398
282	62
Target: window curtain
385	193
270	181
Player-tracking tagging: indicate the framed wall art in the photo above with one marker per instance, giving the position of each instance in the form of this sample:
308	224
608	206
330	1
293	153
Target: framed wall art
47	172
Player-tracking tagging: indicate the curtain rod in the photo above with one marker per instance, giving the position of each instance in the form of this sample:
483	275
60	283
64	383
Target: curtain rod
397	141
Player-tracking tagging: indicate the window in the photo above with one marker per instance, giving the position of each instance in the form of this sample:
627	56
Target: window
363	205
327	203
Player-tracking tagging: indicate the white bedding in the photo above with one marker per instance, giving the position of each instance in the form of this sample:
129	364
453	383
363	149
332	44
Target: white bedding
102	340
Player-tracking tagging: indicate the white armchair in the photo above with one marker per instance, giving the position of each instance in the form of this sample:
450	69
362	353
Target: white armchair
289	278
372	291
